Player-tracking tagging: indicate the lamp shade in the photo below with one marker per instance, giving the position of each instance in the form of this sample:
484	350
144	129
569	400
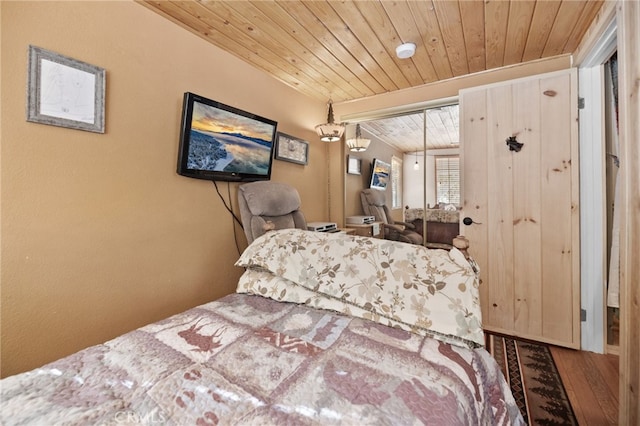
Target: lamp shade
330	131
358	144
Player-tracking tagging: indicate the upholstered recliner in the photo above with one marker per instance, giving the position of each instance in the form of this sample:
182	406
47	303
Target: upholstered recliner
373	204
267	205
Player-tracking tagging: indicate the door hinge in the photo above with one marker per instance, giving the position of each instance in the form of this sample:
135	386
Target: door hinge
583	315
580	103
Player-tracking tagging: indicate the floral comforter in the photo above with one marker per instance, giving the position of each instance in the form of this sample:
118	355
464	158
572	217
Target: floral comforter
429	292
251	360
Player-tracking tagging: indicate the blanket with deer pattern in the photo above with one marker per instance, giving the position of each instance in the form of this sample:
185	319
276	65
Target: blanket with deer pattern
249	360
339	330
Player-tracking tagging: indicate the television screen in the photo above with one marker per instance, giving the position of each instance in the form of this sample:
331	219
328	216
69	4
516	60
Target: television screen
220	142
380	174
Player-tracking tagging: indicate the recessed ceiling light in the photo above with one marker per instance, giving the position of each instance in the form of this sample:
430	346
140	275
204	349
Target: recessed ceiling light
406	50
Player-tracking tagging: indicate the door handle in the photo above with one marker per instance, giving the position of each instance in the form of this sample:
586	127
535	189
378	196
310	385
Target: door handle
468	221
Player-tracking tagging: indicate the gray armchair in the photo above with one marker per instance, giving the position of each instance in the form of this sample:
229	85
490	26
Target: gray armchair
373	204
267	205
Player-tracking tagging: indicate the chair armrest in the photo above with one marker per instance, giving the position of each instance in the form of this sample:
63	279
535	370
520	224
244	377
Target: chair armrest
405	224
393	227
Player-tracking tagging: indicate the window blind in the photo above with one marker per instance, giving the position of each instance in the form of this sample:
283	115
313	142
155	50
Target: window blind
448	179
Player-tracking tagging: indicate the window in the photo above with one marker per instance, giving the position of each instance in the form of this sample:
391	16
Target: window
396	183
448	179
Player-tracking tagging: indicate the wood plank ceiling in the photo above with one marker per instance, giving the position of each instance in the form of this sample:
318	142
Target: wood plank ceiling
405	132
345	50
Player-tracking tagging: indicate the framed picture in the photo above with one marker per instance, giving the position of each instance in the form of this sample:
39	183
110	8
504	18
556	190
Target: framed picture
65	92
380	174
289	148
354	165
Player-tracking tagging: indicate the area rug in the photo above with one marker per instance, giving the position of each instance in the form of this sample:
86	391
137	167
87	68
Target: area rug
534	379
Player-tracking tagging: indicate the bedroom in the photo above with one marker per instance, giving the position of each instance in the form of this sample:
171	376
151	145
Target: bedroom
99	235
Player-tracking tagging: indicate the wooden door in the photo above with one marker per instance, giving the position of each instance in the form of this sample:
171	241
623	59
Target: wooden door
524	204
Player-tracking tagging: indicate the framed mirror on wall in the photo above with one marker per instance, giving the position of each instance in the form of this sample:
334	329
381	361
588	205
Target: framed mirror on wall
416	137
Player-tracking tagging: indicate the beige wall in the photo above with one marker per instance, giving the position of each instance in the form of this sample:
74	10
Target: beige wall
99	234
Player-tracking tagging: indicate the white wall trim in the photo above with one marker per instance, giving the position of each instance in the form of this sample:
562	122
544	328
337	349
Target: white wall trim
593	234
592	209
604	48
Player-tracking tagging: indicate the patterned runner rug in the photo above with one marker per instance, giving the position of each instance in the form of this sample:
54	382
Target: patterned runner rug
534	379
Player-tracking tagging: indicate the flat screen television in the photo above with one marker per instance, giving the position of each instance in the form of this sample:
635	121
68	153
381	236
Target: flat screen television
380	174
220	142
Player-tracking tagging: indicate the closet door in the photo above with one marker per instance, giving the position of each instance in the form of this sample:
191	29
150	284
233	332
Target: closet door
524	204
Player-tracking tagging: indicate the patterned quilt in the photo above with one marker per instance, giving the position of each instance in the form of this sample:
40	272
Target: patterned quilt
252	360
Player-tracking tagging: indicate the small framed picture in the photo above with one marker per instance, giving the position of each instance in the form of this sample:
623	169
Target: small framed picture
354	165
289	148
65	92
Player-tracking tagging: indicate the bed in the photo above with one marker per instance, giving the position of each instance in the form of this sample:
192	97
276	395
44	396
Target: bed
442	225
323	329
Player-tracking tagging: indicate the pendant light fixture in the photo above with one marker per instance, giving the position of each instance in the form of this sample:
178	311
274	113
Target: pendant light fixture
330	131
416	166
358	144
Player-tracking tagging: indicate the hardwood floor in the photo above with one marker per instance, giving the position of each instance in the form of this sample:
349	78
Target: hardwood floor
591	381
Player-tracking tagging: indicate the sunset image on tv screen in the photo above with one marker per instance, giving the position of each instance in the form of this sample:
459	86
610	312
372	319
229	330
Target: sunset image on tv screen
224	141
